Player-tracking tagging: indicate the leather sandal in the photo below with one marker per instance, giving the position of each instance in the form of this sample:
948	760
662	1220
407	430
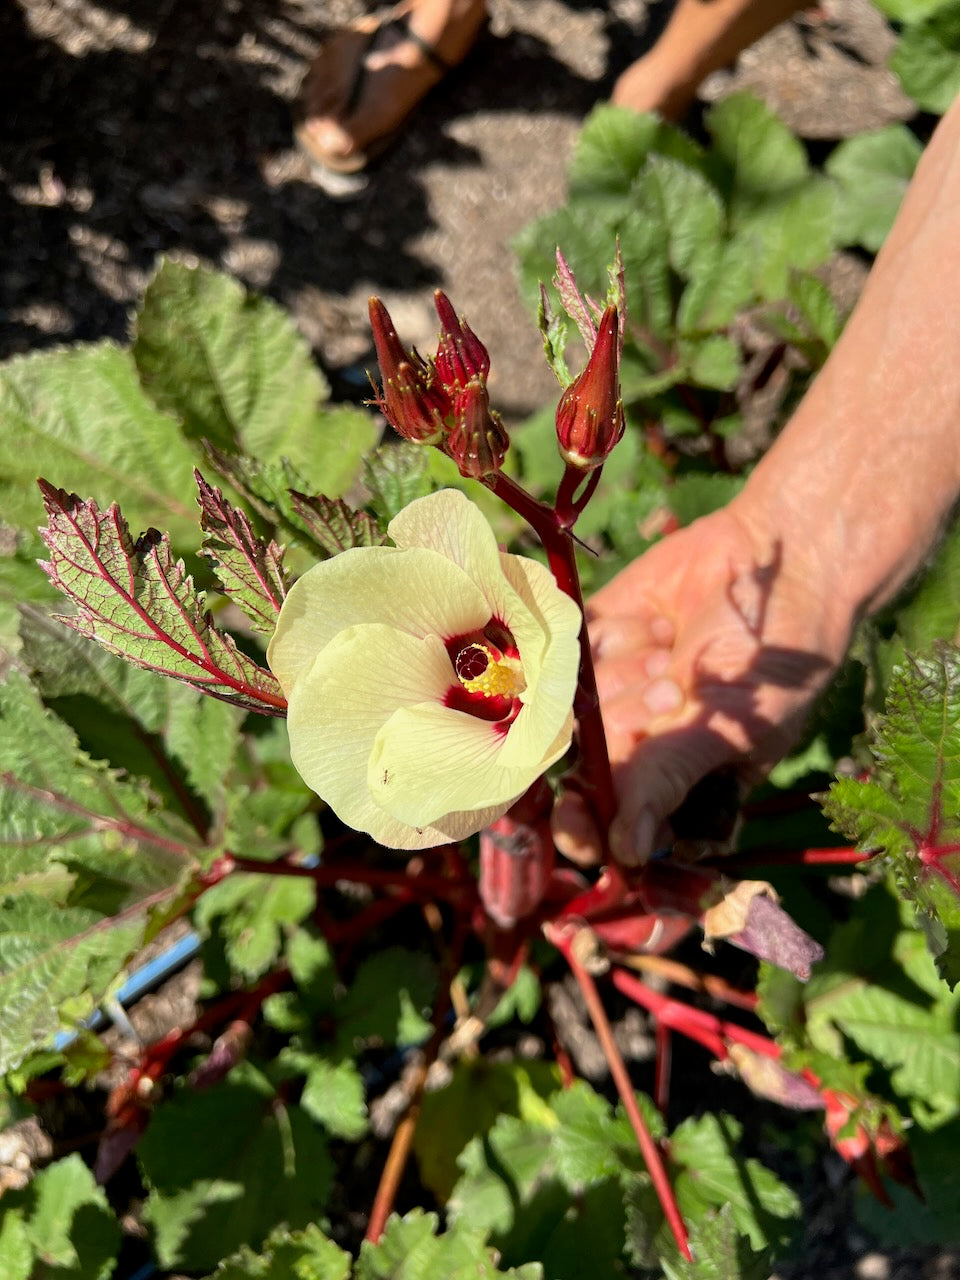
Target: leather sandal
344	56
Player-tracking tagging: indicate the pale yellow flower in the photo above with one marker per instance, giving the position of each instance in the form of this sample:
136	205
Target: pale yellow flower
429	683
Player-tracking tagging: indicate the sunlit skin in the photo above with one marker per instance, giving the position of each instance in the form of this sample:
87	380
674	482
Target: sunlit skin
711	646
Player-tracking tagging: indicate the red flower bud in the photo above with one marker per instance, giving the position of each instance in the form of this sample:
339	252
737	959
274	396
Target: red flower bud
477	442
412	400
590	414
461	355
516	861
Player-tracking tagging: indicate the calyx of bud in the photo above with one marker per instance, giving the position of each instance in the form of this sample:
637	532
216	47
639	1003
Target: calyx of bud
477	441
413	399
590	417
461	356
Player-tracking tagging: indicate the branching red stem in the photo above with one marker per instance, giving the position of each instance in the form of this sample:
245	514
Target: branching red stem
563	940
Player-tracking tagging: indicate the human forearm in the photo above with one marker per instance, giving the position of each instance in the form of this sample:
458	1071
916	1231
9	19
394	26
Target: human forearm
861	481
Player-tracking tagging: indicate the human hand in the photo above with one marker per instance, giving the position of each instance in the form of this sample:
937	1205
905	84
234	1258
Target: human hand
709	650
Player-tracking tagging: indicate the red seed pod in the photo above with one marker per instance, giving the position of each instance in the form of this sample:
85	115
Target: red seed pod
461	355
413	399
477	442
516	862
590	413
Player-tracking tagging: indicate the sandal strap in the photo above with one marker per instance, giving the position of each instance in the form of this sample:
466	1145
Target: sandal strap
425	47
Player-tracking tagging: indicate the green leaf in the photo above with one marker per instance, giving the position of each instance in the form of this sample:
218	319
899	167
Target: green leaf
63	1222
253	913
16	1255
131	717
226	1167
723	284
396	475
410	1249
910	807
931	612
249	569
233	369
926	59
138	602
714	1175
909	11
698	493
80	415
688	207
479	1093
288	1255
711	362
873	171
335	1097
87	866
812	299
719	1252
786	231
761	155
333	525
612	147
387	999
22	583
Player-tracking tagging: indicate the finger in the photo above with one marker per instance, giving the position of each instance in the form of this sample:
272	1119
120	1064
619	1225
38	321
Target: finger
655	777
574	830
617	676
614	636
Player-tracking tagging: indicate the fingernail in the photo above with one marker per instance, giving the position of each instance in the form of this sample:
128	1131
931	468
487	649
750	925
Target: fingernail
633	844
644	831
662	697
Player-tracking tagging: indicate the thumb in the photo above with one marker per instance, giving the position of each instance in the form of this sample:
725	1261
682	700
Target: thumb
653	778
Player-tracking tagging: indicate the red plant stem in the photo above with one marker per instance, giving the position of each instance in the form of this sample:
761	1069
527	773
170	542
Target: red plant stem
420	885
563	940
697	1024
596	776
681	974
843	856
661	1079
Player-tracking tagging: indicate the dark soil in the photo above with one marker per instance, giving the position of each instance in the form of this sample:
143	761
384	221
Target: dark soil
147	127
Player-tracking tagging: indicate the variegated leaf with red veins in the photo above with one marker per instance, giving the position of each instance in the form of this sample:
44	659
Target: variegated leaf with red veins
249	568
909	808
333	525
133	598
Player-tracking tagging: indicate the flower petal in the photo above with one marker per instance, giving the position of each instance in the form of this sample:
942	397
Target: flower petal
430	760
449	523
338	707
418	592
551	674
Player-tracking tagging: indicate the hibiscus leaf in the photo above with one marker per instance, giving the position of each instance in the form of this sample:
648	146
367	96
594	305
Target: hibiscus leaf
396	476
910	807
335	526
88	866
225	1166
138	602
249	569
410	1249
306	1254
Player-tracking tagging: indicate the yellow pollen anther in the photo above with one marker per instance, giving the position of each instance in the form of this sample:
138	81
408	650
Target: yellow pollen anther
501	677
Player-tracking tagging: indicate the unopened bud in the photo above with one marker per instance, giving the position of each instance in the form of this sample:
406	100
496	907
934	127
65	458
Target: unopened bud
461	356
477	442
412	400
590	413
516	861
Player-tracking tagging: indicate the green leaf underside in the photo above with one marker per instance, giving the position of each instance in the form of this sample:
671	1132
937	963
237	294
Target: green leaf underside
81	416
138	602
249	569
87	868
910	807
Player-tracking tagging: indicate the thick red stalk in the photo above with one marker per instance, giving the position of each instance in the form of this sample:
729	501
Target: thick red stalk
564	941
594	769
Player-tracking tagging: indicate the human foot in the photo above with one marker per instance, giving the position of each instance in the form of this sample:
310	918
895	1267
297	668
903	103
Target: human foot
368	77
